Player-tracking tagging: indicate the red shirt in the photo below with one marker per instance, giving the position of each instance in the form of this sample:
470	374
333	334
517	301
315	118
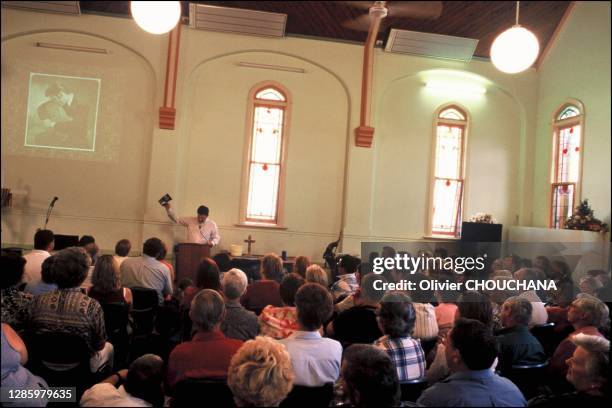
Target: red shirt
558	316
207	355
260	294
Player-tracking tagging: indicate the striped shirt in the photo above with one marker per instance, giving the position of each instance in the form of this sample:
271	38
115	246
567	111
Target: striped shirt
425	325
407	355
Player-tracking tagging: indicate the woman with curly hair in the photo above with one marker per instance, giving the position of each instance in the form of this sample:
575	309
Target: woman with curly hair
260	373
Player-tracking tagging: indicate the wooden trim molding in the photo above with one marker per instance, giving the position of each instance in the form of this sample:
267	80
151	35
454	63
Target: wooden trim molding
555	35
167	112
364	134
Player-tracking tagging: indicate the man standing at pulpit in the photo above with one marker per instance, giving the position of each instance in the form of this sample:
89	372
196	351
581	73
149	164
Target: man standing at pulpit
200	229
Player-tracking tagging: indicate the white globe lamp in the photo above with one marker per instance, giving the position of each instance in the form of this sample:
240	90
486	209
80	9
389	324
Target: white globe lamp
156	17
515	50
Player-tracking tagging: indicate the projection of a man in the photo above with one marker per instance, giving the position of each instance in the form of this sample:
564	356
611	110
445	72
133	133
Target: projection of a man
64	118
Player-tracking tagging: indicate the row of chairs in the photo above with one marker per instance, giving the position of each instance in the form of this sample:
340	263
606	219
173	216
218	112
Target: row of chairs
191	389
62	359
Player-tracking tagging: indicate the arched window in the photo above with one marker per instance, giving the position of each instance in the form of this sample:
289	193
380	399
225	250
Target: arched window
263	186
566	162
448	175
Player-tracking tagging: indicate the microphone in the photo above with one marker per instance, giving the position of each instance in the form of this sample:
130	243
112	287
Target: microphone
49	211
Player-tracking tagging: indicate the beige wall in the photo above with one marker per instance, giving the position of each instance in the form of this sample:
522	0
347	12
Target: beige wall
578	67
113	193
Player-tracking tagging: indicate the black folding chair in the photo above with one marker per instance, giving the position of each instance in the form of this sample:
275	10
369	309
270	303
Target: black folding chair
302	396
412	389
528	378
62	360
549	336
144	309
116	320
189	390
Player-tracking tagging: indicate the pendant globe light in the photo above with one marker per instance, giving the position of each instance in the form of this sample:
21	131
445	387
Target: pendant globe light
515	49
156	17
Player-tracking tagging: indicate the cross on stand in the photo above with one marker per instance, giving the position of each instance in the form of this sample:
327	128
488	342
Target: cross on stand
249	242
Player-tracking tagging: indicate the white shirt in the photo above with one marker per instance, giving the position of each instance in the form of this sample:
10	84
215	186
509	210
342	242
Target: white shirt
315	360
425	325
539	315
197	233
119	259
106	395
33	265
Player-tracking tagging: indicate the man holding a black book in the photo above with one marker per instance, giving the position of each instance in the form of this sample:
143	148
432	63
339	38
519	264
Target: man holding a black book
200	229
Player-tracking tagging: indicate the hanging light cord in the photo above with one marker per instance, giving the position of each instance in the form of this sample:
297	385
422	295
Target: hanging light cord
517	12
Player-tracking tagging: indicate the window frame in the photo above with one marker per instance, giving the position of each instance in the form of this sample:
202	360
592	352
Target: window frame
253	103
464	124
557	126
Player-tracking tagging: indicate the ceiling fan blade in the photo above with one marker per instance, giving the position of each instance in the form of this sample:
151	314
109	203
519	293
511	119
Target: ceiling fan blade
415	9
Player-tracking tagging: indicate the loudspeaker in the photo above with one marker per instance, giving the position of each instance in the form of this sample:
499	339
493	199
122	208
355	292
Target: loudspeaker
478	239
479	232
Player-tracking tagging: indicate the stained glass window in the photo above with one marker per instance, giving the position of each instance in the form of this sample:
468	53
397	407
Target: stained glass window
568	112
270	94
566	164
453	114
265	156
448	172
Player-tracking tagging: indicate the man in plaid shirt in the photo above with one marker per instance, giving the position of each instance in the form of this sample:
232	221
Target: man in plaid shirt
396	318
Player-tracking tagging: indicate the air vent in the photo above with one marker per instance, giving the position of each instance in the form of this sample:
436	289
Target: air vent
60	7
431	45
234	20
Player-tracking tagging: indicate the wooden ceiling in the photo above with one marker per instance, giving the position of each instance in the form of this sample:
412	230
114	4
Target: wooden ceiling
482	20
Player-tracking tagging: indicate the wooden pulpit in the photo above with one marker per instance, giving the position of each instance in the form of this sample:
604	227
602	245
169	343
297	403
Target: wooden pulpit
188	257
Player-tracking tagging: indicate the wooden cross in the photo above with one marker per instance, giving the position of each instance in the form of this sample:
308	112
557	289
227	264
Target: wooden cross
249	242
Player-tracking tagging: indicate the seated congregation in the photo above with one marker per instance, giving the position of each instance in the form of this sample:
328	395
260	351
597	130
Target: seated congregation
124	332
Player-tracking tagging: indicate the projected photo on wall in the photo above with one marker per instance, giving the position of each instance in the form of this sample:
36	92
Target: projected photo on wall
62	112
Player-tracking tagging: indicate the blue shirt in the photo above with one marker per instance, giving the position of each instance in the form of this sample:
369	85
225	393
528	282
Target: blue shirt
477	388
16	376
315	359
39	287
146	272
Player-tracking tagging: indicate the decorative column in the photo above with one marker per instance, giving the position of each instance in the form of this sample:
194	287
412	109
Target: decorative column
167	112
364	134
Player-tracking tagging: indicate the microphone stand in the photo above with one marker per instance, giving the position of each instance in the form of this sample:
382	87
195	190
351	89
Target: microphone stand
49	210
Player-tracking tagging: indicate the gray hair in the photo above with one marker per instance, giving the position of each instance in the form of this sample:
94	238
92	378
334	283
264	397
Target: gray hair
527	274
367	287
499	296
591	282
316	274
234	283
207	309
592	307
598	348
520	309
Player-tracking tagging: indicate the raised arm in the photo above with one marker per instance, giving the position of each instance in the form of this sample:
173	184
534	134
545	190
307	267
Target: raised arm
172	215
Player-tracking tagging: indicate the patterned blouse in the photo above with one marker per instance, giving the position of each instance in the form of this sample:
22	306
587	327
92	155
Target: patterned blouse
15	305
69	311
278	322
